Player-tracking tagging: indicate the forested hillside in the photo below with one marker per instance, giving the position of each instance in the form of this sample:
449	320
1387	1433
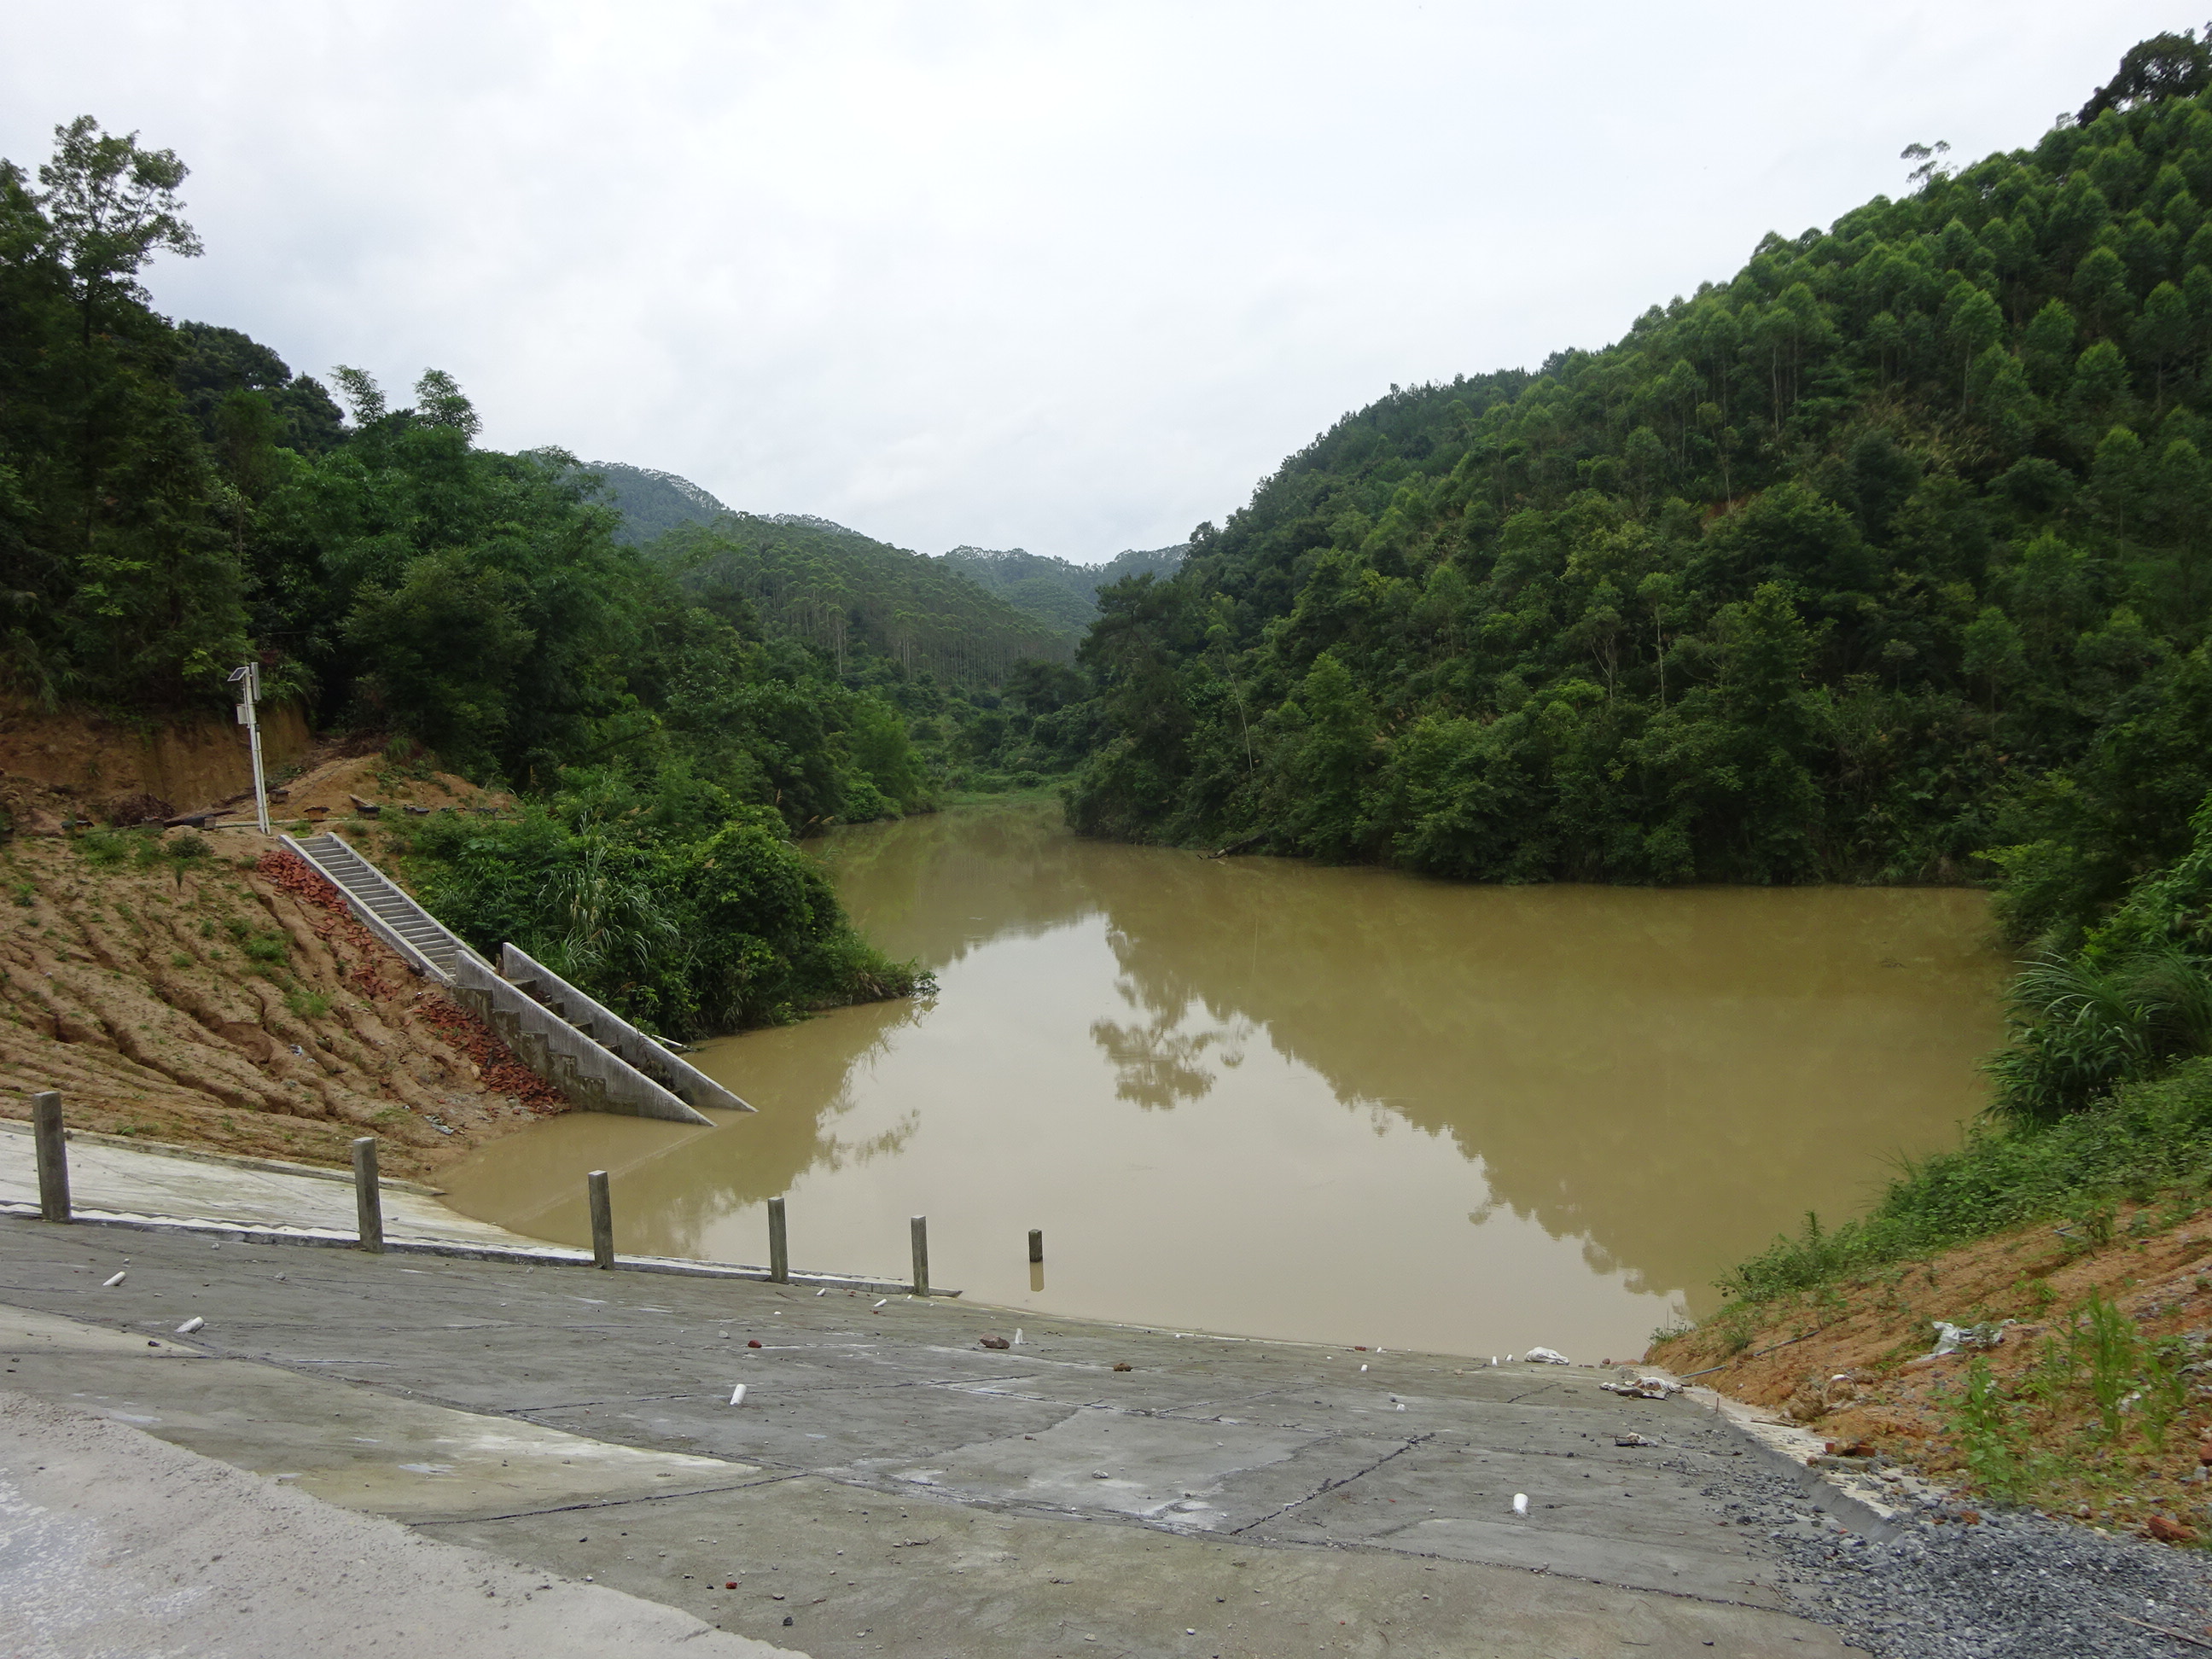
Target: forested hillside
1057	592
803	571
812	557
650	503
1887	558
174	501
847	594
1890	550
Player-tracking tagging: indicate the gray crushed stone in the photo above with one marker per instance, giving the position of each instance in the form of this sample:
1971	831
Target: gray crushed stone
2014	1585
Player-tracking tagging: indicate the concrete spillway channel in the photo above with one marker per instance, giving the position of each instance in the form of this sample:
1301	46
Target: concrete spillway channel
889	1485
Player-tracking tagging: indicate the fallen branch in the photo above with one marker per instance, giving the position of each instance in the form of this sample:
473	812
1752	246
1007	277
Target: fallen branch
1745	1359
2178	1635
1251	840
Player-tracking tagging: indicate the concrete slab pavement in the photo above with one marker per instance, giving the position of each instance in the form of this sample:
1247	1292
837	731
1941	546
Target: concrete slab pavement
348	1445
113	1543
892	1486
253	1192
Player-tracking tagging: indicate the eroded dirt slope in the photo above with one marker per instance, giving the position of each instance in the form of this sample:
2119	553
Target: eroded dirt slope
1853	1363
209	990
337	781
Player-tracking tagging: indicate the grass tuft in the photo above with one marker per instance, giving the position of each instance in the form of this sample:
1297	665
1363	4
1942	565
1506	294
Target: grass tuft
2146	1139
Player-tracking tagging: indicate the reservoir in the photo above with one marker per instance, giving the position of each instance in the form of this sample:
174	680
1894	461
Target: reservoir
1265	1096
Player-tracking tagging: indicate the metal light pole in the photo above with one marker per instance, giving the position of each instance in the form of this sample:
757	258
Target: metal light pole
247	679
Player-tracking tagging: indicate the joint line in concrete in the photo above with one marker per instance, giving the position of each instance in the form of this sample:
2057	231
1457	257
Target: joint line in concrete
612	1503
1328	1486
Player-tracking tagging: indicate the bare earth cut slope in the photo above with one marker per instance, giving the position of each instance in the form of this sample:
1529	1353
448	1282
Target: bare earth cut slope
1853	1363
213	991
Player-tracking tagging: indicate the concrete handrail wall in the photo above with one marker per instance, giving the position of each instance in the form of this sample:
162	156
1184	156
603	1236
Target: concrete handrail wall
572	1061
672	1071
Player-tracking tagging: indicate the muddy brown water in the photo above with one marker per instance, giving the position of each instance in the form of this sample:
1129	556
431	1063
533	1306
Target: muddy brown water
1259	1096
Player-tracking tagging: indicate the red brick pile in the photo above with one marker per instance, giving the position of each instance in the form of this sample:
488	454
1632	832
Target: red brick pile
502	1073
330	915
286	870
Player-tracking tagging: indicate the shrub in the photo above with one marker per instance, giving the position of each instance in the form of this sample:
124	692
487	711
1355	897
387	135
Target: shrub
683	926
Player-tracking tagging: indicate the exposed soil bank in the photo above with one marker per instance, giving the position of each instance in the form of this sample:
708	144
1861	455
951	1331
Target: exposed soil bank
188	762
1851	1361
229	1000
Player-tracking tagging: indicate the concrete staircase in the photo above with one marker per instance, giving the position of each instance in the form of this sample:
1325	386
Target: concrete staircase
594	1057
393	916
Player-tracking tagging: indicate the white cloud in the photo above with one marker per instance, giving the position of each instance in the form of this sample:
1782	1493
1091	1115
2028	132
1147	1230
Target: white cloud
1067	277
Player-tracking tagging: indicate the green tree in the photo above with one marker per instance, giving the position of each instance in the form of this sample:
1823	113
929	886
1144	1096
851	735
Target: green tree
1993	655
2165	66
113	206
1328	751
1972	323
2047	348
2100	290
2164	336
443	645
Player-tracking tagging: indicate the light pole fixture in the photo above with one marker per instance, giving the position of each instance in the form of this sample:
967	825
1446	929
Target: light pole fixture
247	678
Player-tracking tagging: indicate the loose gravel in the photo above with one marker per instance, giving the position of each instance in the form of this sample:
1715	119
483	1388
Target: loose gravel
2014	1584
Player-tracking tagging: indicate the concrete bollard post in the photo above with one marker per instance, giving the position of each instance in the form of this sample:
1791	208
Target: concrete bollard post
367	1197
920	1228
603	1219
52	1148
1036	1243
779	1245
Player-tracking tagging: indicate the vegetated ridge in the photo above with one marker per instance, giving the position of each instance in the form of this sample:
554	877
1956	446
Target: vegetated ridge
651	501
1058	592
1890	558
978	673
846	593
1054	590
2067	1232
1889	551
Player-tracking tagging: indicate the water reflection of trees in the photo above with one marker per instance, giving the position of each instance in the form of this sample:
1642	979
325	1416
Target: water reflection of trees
1644	1071
679	1192
934	887
1157	1064
1615	1058
930	888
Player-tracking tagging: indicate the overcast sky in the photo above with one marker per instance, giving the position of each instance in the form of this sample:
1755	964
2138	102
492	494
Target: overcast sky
1070	277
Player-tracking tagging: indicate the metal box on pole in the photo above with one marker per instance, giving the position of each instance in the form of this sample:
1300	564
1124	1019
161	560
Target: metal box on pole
247	678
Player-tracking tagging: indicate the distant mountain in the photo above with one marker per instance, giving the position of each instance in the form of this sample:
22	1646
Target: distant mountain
651	501
793	571
852	595
1054	590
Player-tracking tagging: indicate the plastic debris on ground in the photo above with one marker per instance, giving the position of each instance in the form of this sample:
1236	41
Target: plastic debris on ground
1643	1388
1969	1339
1547	1357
